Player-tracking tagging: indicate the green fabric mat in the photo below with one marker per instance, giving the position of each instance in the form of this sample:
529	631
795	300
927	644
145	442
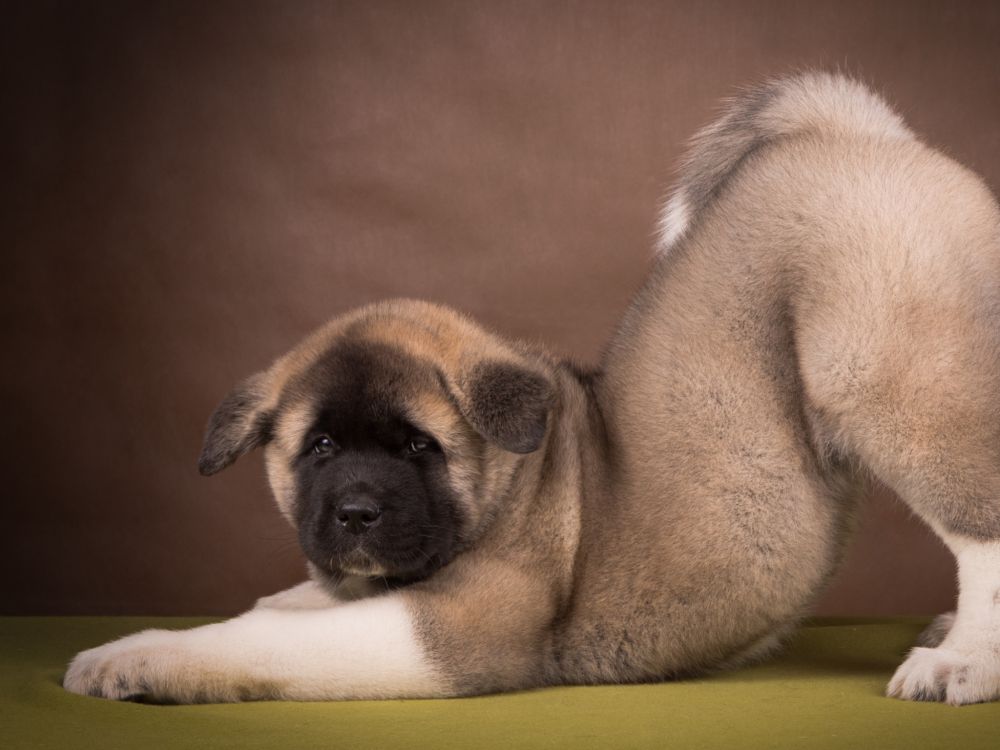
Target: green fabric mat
824	691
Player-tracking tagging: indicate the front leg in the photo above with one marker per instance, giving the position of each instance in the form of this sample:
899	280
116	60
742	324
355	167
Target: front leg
464	631
320	592
363	649
308	595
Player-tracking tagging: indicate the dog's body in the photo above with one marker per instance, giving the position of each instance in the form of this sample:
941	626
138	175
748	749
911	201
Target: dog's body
480	517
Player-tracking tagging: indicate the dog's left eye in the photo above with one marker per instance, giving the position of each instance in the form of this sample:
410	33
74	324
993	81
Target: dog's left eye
417	445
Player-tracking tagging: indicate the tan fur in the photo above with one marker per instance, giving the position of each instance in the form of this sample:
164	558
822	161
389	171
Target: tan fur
831	311
828	311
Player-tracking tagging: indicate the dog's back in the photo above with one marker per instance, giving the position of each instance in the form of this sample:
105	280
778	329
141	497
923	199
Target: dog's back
826	301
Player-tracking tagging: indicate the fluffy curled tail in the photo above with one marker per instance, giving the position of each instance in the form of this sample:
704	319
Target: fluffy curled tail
819	102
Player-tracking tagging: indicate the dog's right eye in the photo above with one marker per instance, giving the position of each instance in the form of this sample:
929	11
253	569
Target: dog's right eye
323	446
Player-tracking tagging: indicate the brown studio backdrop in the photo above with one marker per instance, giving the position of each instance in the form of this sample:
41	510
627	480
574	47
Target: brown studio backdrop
192	187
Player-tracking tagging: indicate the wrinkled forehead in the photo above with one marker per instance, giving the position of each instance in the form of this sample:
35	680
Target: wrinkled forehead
358	381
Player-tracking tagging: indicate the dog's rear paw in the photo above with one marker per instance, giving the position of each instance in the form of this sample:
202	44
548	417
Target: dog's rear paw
946	675
935	633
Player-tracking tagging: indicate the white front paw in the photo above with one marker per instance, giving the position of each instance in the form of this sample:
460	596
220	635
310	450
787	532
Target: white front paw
128	668
947	675
168	666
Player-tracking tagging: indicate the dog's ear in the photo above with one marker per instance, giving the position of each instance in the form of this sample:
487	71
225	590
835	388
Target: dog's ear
238	424
508	404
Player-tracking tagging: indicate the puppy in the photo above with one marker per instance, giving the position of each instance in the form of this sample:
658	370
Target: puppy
479	516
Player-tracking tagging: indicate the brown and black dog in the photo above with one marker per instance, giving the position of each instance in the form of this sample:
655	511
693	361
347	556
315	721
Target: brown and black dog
481	517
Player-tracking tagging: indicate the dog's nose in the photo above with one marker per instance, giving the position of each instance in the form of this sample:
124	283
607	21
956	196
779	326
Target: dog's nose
358	514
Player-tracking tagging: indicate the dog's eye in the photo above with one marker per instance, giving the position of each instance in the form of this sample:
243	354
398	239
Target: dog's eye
323	446
417	445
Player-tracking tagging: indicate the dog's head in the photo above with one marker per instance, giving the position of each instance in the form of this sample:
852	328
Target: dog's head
391	435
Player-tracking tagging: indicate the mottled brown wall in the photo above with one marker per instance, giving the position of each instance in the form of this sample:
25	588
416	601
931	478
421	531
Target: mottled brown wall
190	187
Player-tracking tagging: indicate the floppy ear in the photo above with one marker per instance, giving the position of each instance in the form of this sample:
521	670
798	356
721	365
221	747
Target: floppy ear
237	425
508	404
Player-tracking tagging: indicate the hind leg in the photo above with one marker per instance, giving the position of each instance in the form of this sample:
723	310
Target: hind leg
965	666
958	657
911	391
954	486
934	634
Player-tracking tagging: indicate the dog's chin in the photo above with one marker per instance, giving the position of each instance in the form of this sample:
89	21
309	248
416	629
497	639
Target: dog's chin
364	564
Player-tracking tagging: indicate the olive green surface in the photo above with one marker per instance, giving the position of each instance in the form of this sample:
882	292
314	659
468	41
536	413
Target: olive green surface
824	691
